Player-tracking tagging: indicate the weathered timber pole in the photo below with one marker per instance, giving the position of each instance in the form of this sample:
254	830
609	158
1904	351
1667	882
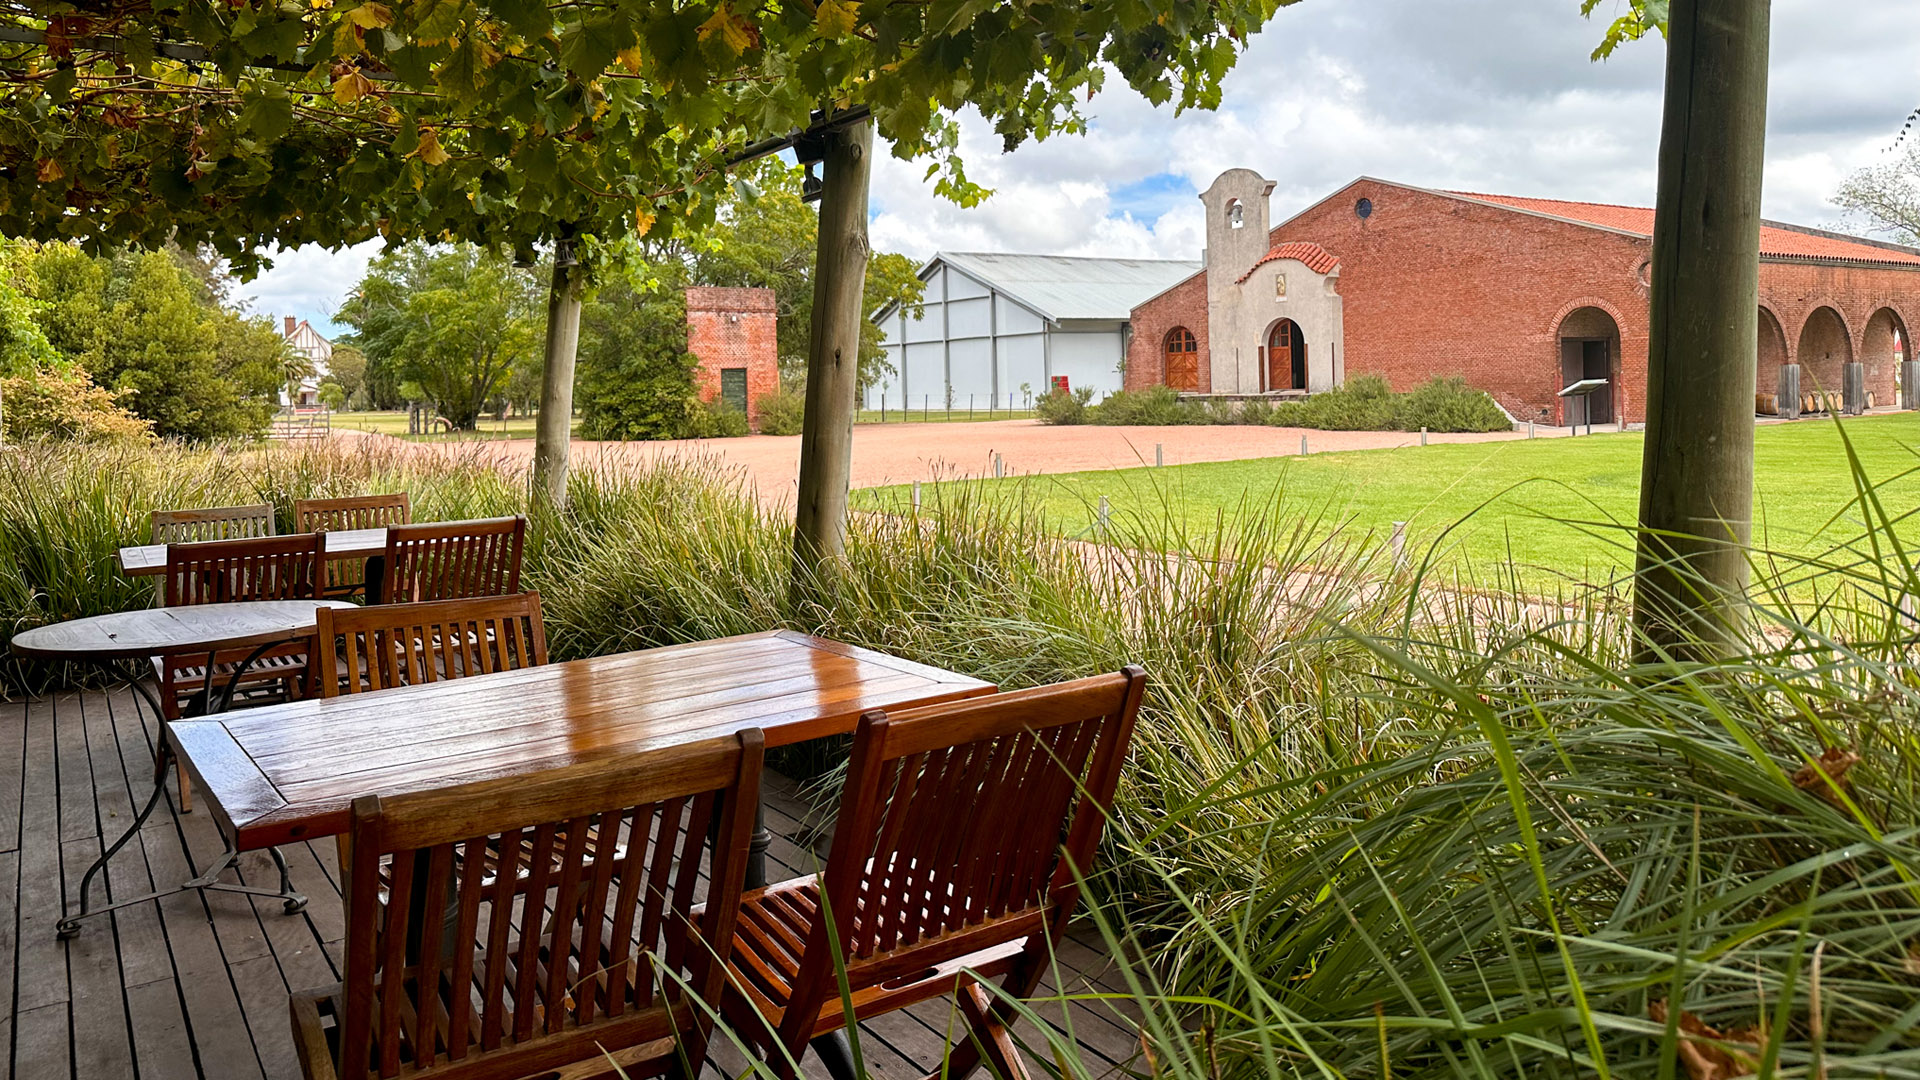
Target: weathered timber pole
552	431
833	355
1696	478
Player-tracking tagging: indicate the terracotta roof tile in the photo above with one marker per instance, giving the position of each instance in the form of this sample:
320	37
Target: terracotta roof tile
1774	240
1316	258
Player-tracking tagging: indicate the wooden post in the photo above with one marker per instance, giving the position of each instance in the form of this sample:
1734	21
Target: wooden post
552	430
1696	480
833	356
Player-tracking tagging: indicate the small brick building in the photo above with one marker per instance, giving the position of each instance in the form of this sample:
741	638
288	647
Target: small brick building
1520	296
732	332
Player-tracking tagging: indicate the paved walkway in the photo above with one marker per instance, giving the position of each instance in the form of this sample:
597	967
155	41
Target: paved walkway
902	453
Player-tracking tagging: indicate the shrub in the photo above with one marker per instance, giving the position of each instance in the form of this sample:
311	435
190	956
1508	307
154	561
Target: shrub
715	420
1156	405
782	412
53	405
1365	403
1062	408
1449	404
634	378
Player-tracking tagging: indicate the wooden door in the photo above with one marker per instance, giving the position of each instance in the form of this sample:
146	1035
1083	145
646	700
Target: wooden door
1280	345
1183	361
733	388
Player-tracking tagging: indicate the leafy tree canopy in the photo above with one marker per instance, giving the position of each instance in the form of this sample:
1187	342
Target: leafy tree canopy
239	123
149	331
455	320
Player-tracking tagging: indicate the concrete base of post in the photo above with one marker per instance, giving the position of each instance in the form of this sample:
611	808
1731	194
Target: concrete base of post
1910	384
1853	388
1787	401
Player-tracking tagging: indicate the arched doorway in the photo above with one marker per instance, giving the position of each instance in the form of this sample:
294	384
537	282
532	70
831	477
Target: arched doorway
1770	355
1182	360
1286	357
1883	346
1825	350
1589	349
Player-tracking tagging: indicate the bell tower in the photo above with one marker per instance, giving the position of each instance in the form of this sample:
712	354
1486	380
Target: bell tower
1237	229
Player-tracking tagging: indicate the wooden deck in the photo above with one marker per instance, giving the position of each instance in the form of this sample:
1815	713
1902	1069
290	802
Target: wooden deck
196	985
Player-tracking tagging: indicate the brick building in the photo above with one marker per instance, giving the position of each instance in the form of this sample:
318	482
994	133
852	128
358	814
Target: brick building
1520	296
732	333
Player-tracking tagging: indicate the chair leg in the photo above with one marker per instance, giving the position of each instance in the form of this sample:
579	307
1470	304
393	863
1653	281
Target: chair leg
186	787
988	1039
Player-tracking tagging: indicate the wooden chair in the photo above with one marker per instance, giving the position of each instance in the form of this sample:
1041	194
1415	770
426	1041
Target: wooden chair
955	847
213	523
387	645
448	560
349	577
223	571
510	988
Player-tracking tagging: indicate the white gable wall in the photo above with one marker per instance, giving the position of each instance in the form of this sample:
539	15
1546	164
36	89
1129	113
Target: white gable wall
974	345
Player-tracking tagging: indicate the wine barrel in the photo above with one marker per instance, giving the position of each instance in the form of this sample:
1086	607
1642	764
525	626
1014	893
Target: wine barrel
1766	404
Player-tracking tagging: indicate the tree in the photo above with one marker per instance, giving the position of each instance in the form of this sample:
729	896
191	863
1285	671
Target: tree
1696	486
333	395
456	320
1887	197
347	366
635	379
518	123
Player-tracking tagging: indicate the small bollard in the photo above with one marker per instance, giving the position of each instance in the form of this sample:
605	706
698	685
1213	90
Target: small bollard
1102	519
999	465
1303	446
1423	436
1159	458
1529	429
916	496
1398	544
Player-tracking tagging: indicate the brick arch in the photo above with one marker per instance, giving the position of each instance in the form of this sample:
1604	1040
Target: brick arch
1589	321
1773	347
1824	346
1559	317
1876	351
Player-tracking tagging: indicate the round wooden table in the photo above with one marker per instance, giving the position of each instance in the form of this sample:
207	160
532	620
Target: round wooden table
106	640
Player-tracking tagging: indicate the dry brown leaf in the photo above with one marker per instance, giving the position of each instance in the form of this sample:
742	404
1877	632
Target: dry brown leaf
1826	773
47	170
1698	1050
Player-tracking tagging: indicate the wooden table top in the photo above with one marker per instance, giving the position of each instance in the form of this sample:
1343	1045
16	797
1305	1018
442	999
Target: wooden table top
290	772
150	560
127	635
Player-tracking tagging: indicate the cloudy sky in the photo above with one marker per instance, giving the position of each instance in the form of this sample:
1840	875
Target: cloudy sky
1482	95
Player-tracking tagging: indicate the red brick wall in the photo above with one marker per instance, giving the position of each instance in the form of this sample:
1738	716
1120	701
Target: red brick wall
1438	286
1183	305
728	328
1794	292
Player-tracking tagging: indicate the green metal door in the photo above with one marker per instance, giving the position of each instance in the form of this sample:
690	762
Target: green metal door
733	388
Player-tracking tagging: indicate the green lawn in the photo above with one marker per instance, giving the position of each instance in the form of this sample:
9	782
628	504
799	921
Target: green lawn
395	423
1521	499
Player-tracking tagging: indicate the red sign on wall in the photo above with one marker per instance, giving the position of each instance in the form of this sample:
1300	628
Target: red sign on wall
1060	385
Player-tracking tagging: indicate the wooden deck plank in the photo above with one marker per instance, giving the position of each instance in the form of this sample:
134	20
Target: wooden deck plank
160	1039
13	749
40	1048
216	1023
102	1043
42	970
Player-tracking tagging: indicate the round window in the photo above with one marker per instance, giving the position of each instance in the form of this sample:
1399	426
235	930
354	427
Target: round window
1363	209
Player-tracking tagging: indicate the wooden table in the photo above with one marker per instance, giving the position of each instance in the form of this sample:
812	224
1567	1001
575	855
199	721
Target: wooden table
291	772
106	640
150	560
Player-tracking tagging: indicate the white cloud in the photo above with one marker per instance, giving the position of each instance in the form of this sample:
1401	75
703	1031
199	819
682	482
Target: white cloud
1481	95
309	283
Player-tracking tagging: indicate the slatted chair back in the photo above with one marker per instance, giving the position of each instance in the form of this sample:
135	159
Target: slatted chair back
961	828
515	984
261	568
348	577
448	560
352	512
211	523
387	645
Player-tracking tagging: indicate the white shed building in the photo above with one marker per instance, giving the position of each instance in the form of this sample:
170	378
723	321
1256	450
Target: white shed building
1004	328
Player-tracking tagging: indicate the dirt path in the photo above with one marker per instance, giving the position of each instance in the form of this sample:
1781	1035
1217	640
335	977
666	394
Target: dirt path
901	453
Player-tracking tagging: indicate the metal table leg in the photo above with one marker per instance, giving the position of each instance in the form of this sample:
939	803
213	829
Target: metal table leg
291	901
